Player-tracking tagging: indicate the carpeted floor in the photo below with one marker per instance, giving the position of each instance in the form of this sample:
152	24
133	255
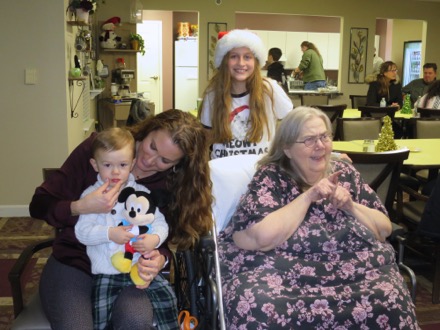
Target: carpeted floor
17	233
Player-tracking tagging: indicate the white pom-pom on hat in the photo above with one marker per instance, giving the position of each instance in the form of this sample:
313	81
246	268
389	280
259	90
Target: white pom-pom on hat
236	39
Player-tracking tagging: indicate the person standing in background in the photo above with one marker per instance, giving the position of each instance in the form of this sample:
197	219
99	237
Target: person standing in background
377	62
419	87
275	69
311	66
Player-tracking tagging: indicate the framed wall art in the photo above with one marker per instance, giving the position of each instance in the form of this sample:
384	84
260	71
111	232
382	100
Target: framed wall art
213	29
358	55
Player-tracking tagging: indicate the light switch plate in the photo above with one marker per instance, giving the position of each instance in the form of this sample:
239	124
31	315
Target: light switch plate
30	76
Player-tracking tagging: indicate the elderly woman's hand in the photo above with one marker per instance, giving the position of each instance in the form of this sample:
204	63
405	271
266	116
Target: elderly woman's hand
149	265
324	188
341	199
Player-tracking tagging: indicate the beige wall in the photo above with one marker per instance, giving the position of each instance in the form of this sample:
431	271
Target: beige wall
36	129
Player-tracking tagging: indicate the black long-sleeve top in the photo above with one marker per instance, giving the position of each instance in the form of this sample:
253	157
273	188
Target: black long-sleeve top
394	95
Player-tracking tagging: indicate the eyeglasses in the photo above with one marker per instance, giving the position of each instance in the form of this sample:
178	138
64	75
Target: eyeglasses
395	70
311	141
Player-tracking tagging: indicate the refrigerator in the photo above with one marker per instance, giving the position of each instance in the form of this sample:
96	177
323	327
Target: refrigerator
186	73
412	55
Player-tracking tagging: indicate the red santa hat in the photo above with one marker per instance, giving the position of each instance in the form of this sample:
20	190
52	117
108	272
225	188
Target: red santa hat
236	39
114	20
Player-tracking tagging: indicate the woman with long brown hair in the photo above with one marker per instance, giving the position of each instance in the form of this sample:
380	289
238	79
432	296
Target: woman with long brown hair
172	156
386	85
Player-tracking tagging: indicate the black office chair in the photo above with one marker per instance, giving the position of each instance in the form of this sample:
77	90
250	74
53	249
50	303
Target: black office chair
423	236
139	110
358	100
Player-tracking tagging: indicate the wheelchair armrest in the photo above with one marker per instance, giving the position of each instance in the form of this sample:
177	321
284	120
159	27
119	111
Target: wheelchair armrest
17	270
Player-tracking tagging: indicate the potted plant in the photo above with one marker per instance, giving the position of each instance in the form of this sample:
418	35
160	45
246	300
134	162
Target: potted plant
82	9
137	42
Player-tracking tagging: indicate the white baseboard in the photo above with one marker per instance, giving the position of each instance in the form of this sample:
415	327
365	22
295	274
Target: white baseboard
14	211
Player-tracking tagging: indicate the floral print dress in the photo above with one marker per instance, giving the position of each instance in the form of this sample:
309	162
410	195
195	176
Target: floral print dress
332	273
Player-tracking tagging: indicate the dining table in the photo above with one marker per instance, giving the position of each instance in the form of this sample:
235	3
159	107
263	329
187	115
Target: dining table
424	153
355	113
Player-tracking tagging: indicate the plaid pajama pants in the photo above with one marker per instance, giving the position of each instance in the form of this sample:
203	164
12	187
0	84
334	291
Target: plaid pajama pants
106	289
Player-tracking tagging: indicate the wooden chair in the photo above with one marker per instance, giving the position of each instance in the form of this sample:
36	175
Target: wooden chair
381	170
377	112
358	128
311	99
358	100
428	113
333	112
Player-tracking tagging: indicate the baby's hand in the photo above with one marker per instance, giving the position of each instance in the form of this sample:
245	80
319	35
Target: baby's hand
120	234
146	243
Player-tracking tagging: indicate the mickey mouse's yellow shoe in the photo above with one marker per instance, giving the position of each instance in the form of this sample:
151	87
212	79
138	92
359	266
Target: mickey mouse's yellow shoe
120	263
134	275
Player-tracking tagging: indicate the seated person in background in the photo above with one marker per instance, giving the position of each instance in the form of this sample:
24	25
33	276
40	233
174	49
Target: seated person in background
431	100
306	247
385	85
430	222
419	87
275	69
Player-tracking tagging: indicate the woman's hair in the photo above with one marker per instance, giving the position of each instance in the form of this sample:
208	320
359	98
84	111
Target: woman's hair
286	135
383	81
311	46
112	139
189	182
434	90
220	85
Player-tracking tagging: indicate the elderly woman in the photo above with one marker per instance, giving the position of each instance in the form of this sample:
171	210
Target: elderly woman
306	246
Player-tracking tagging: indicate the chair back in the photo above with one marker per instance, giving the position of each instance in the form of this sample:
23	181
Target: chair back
427	128
428	113
333	112
381	170
230	177
379	112
311	99
359	128
358	100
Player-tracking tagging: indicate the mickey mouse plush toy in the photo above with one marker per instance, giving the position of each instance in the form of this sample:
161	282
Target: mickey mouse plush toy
139	210
108	38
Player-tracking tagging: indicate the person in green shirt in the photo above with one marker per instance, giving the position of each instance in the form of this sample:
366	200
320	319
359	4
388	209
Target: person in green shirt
311	67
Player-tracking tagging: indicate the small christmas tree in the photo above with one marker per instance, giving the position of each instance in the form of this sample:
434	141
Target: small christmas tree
386	137
407	105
